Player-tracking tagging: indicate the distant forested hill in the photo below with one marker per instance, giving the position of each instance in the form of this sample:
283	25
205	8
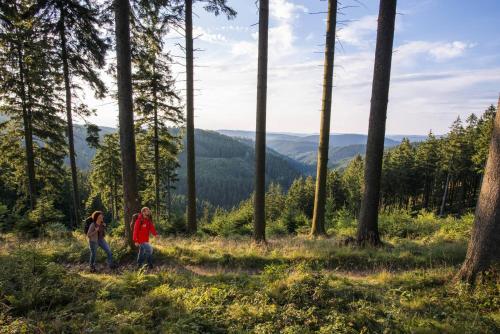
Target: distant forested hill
224	166
84	153
224	163
304	148
225	169
337	156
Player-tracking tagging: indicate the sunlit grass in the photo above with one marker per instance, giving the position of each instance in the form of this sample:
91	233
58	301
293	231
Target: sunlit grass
216	285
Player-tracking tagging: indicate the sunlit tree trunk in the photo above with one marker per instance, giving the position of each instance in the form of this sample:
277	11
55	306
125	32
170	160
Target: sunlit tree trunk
131	203
368	220
191	178
260	132
484	245
318	222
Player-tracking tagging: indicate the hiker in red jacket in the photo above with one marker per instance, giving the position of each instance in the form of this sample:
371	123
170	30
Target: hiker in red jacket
143	226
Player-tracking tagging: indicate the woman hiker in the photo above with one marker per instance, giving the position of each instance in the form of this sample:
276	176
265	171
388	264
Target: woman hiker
96	233
143	226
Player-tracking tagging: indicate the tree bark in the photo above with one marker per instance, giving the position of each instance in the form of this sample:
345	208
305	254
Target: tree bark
69	116
169	196
318	222
426	192
368	221
484	245
260	129
191	177
28	133
131	202
445	195
156	148
114	195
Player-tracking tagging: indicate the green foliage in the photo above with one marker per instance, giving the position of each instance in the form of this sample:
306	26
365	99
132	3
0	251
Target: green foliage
32	282
105	178
233	286
300	196
235	222
353	178
289	222
225	169
30	96
6	219
415	175
44	214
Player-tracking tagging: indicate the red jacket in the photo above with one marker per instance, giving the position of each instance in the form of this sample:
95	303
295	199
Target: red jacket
142	227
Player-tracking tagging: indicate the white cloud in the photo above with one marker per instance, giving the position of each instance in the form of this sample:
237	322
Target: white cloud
232	27
360	32
281	40
284	10
449	50
207	36
437	51
427	91
281	35
243	48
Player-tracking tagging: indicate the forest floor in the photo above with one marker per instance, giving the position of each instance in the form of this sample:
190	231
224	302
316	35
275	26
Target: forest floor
212	285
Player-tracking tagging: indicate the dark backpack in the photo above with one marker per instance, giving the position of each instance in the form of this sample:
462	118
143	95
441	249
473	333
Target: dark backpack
132	223
87	224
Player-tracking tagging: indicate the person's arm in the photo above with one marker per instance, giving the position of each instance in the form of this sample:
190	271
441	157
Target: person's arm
93	230
152	229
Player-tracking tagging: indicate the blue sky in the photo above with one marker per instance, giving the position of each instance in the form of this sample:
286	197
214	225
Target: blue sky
446	64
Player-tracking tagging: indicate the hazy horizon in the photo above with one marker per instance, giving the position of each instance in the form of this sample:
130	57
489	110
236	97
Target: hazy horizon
288	132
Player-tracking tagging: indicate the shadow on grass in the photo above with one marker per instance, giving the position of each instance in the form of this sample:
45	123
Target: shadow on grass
403	255
243	256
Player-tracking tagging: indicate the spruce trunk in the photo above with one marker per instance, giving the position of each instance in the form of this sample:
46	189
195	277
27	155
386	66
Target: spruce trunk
260	132
484	245
191	185
69	117
28	133
157	150
169	197
445	195
131	203
318	222
368	221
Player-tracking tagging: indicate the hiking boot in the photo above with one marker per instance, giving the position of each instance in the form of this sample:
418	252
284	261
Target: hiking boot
150	266
93	269
112	266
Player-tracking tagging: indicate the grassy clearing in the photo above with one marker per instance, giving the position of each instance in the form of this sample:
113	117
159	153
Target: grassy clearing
212	285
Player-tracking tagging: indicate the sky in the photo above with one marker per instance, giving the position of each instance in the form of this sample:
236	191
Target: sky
446	64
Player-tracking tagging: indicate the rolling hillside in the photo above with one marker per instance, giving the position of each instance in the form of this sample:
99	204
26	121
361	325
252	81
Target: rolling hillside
84	153
224	166
225	169
225	163
303	147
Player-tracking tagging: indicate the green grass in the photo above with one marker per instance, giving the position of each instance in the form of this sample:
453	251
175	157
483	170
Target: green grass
213	285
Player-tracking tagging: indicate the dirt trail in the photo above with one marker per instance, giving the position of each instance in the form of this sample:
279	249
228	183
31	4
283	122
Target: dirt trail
209	270
199	270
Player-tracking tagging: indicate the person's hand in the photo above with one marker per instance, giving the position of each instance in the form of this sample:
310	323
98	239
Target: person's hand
136	244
